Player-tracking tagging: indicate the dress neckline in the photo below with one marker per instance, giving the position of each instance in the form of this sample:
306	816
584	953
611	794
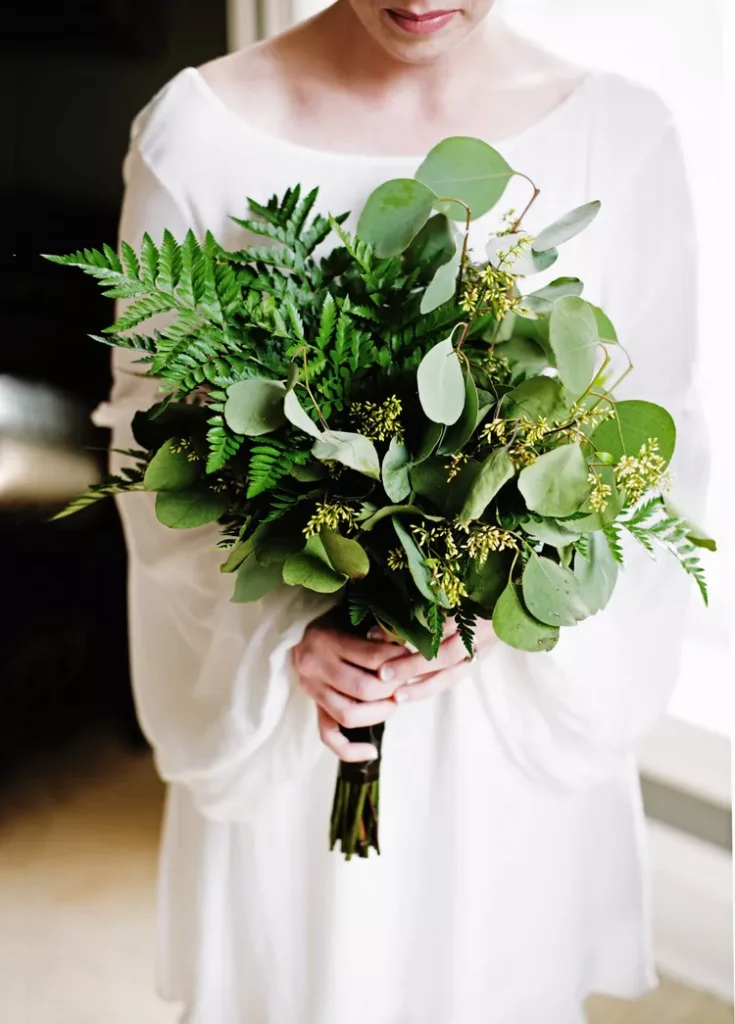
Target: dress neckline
206	91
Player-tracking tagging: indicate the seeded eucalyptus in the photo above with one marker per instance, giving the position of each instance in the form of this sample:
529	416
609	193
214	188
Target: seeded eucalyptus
420	434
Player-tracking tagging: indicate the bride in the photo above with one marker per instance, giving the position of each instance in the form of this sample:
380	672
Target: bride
512	881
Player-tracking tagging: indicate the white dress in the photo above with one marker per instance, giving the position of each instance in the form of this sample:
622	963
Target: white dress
512	881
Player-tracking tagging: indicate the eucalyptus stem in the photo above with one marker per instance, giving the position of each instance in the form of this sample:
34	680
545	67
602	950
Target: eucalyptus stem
304	350
468	219
536	193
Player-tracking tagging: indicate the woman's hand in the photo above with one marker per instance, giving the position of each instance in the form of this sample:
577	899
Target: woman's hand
338	671
415	678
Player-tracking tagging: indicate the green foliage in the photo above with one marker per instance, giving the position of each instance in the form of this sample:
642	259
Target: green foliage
466	622
650	524
436	617
468	170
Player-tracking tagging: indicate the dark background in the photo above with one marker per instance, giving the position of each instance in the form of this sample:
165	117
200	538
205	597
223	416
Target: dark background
73	74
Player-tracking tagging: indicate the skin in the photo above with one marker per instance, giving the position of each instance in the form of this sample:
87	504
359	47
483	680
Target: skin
335	83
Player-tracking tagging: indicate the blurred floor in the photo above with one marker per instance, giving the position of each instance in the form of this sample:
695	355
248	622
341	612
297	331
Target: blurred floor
77	873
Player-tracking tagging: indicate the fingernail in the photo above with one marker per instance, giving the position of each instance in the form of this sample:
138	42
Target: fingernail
400	696
387	673
376	633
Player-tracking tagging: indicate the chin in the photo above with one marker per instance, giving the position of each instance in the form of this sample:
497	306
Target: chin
421	49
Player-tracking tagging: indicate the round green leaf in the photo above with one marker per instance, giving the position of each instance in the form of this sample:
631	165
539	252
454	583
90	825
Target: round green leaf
170	470
525	356
254	580
532	262
311	569
255	407
567	227
353	450
347	556
496	470
441	384
394	214
574	341
195	506
433	246
443	285
487	582
515	627
297	415
605	330
552	593
539	397
550	532
457	436
466	169
634	424
429	440
541	301
596	572
556	484
395	472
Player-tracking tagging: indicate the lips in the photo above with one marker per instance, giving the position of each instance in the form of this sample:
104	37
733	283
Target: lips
420	24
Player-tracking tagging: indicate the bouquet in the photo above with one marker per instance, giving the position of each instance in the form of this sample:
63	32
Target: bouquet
389	420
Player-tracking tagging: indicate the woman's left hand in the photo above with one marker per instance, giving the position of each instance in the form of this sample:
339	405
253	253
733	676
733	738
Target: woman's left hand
435	676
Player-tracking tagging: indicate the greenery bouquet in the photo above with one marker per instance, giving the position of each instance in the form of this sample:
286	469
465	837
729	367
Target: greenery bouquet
392	422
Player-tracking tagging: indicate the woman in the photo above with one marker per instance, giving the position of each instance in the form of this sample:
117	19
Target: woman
512	878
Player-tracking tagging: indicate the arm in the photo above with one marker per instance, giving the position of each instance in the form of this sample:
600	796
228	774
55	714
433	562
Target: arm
214	684
573	715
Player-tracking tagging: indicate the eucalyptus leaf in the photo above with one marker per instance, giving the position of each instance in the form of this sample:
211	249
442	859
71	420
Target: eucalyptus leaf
311	569
353	450
308	474
441	384
293	376
537	398
171	470
190	508
552	593
485	583
567	227
395	472
457	436
394	214
433	246
496	470
346	555
574	340
556	484
254	580
245	547
278	545
542	300
466	169
532	262
416	565
636	423
596	572
605	330
429	440
443	285
525	356
550	532
514	626
255	407
297	415
396	510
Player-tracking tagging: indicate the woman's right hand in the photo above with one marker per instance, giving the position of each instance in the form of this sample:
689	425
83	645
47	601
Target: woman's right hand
338	671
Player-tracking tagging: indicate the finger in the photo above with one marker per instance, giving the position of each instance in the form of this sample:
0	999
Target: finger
450	627
411	666
369	654
359	685
432	685
332	737
354	714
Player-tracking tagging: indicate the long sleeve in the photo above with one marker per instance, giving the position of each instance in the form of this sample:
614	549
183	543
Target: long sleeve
214	687
572	715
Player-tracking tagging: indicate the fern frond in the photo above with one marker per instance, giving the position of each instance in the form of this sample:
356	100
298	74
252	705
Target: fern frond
436	617
131	481
612	534
466	624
